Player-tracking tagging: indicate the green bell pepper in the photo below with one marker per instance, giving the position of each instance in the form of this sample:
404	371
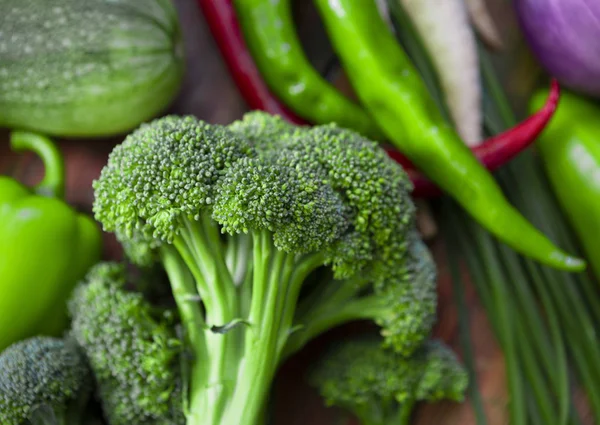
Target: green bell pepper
45	247
570	150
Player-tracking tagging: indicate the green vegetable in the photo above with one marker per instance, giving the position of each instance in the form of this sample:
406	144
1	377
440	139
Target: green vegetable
381	387
43	381
87	67
270	34
545	320
570	150
270	235
45	247
131	348
391	89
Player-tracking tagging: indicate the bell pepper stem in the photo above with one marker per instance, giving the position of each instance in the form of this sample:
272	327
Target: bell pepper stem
53	182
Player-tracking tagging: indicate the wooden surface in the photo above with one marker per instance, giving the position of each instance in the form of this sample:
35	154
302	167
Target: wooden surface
209	94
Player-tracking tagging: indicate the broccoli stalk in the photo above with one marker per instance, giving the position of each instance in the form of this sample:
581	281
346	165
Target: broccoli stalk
265	230
43	381
381	387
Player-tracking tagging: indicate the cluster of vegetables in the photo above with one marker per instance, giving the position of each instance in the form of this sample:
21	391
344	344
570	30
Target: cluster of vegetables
269	235
244	242
395	104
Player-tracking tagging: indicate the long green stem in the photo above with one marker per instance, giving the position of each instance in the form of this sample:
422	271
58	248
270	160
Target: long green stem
262	249
53	183
482	273
506	314
184	292
535	378
226	287
335	305
535	333
304	267
218	279
203	258
580	329
185	295
554	357
464	328
182	245
260	361
562	287
405	413
526	326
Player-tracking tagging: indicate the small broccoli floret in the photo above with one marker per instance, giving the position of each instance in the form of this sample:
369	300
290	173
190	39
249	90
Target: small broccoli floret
263	130
133	353
403	304
241	217
43	380
379	386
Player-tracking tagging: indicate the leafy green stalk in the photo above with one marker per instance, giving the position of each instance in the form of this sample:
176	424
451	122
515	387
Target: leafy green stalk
578	323
465	333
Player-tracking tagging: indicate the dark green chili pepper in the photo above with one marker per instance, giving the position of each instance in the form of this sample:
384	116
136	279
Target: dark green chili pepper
390	88
269	32
570	150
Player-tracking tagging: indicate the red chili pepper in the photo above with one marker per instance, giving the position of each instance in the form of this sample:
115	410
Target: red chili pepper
493	152
496	150
221	19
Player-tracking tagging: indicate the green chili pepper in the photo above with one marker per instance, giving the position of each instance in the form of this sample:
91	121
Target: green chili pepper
45	247
570	150
389	86
269	32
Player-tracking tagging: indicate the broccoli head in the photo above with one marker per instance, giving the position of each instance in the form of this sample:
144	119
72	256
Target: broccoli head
132	349
43	380
379	386
243	217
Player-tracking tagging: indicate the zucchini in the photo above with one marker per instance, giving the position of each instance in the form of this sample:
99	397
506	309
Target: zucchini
87	68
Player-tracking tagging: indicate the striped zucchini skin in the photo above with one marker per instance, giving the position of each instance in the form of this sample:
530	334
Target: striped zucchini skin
87	67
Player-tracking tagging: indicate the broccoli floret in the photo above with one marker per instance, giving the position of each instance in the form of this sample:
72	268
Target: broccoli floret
381	387
404	304
242	218
263	130
132	351
43	380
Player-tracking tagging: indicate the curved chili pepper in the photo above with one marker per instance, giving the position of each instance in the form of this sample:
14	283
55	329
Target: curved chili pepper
268	28
391	89
493	153
222	22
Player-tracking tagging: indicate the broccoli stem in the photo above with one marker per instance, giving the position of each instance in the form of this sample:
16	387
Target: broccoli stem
276	283
273	271
404	413
232	369
335	305
305	266
238	251
214	363
379	412
188	304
